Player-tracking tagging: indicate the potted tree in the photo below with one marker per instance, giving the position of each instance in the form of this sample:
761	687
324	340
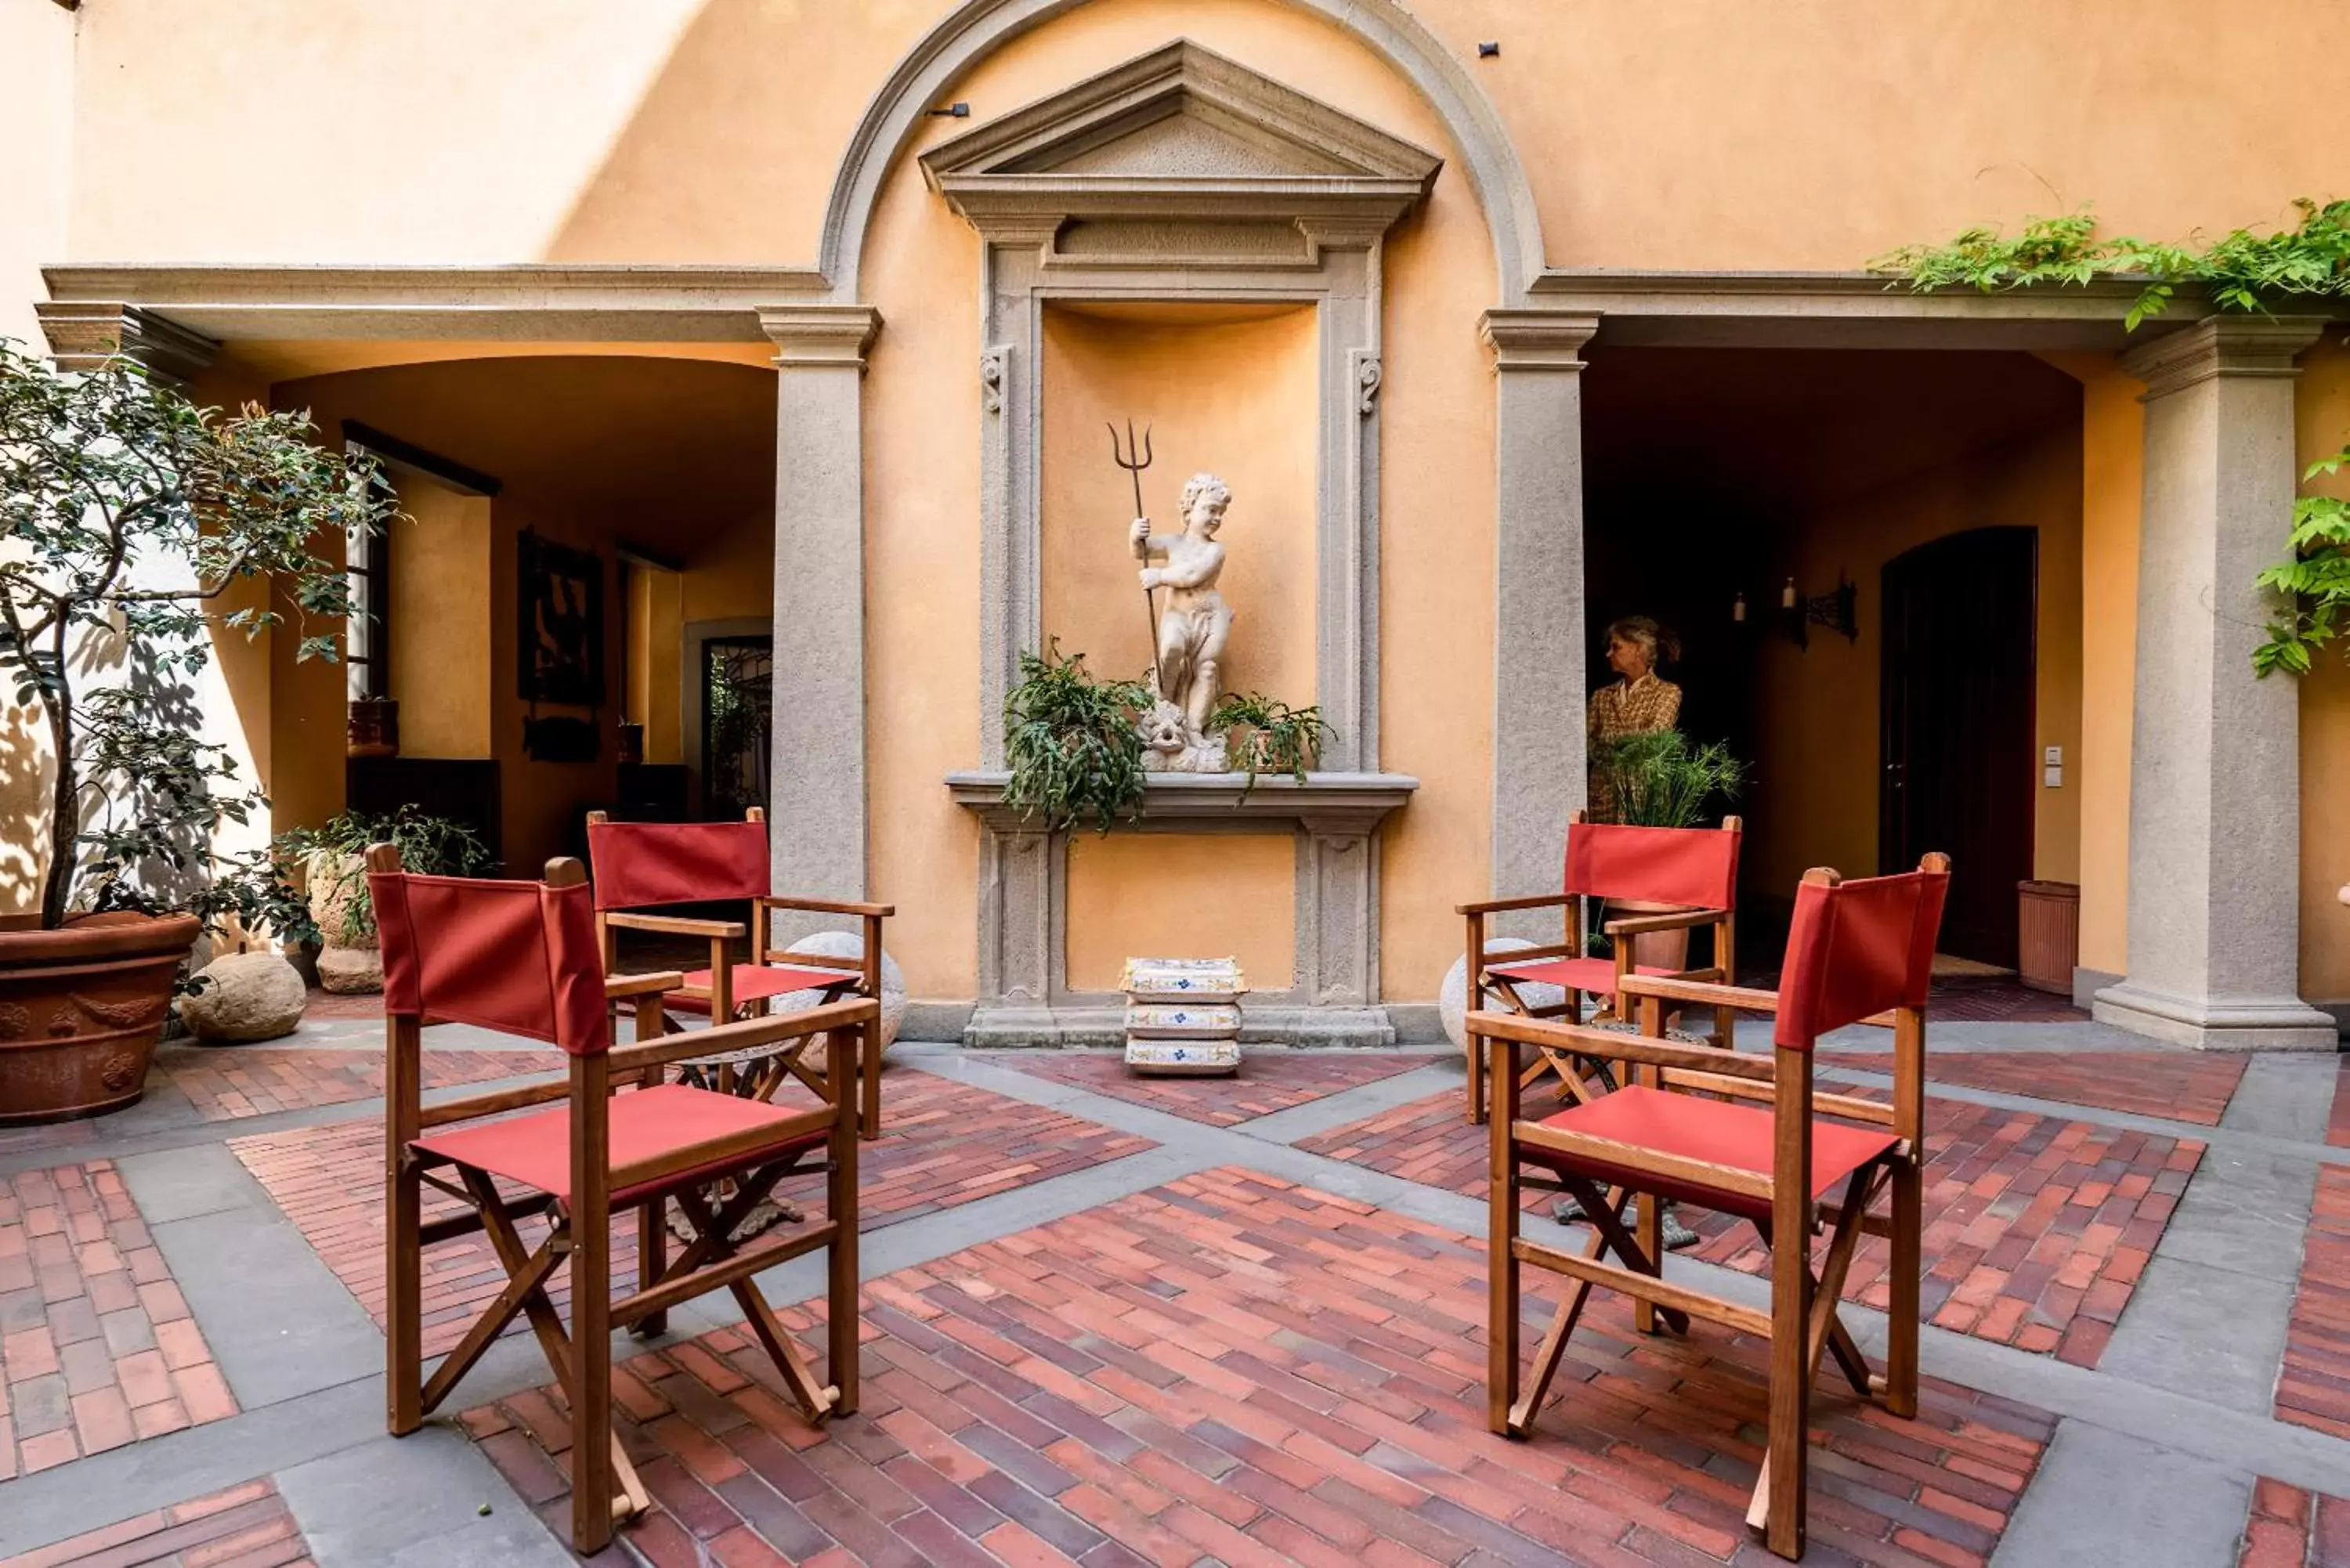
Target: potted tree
126	513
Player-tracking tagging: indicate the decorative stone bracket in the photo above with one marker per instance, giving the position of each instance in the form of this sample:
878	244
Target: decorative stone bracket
1025	998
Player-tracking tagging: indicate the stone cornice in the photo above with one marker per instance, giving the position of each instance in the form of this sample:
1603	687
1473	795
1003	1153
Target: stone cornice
2219	346
834	335
615	301
1342	805
85	334
1537	339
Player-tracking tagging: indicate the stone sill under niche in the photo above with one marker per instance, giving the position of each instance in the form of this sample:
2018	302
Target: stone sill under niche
1025	999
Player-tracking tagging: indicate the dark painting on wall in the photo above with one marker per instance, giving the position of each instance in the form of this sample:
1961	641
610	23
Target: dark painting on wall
560	624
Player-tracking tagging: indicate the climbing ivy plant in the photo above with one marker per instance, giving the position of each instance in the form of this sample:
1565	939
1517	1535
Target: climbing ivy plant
2244	271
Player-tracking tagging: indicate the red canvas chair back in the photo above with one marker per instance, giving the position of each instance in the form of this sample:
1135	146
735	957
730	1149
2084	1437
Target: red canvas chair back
641	863
1694	867
1857	948
517	957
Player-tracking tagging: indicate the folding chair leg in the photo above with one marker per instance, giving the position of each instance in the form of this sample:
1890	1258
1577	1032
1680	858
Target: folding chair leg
1651	1238
652	1259
868	1058
815	1400
404	1369
1502	1211
1902	1311
1520	1421
1605	1217
840	1260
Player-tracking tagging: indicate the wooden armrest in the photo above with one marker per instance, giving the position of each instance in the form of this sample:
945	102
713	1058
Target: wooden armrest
1639	925
677	926
1704	992
1646	1050
1498	958
743	1034
1500	906
831	907
620	986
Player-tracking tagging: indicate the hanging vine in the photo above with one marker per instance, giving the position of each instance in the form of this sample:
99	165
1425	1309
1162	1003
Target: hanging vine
2244	271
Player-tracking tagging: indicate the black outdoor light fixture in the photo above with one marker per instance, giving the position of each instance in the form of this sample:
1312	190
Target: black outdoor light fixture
1798	613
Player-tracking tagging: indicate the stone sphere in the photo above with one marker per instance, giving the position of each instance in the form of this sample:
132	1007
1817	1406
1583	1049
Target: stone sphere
247	997
350	971
1452	998
850	944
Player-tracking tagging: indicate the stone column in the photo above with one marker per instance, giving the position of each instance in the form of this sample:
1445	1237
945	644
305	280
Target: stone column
1538	621
2215	757
816	788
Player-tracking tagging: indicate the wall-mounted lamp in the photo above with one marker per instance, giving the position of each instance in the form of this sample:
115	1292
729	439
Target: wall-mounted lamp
1834	610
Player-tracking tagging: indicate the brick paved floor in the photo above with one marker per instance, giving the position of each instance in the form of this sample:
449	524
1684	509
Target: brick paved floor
2290	1527
1232	1369
99	1347
1271	1079
2000	1001
2036	1228
245	1527
227	1081
943	1144
2313	1385
2183	1085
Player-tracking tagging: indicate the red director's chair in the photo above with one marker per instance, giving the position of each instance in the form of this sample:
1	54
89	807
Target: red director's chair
1693	870
1860	951
521	958
642	864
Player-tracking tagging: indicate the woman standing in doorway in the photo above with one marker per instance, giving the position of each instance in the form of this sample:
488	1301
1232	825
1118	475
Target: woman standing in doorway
1639	703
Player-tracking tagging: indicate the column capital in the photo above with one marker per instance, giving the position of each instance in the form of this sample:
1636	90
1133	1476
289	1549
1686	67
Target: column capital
2222	345
1537	339
85	334
835	335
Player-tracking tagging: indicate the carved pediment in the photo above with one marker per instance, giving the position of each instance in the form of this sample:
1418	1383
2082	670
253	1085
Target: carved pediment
1180	133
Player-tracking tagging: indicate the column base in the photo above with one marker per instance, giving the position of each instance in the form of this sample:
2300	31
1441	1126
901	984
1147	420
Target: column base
1024	1026
2283	1023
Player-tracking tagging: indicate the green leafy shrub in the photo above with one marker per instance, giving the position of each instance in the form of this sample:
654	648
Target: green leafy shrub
1265	736
1659	780
331	856
1073	743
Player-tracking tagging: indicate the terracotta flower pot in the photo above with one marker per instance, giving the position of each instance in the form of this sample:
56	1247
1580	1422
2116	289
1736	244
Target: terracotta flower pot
81	1010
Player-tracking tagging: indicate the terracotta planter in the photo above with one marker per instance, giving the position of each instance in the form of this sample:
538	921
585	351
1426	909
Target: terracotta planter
80	1011
1656	949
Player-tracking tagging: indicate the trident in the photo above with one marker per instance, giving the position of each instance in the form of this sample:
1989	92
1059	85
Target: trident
1127	459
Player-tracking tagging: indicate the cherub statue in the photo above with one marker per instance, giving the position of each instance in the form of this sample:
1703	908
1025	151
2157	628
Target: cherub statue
1191	633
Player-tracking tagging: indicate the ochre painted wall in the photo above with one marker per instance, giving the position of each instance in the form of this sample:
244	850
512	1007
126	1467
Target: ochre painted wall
655	648
440	655
2321	406
1168	894
1234	397
921	490
1709	133
36	90
2113	455
1817	763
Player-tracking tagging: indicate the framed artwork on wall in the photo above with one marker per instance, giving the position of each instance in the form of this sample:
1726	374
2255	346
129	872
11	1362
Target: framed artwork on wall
559	623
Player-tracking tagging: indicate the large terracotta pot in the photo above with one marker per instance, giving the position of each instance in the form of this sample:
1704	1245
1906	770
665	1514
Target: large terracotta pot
81	1010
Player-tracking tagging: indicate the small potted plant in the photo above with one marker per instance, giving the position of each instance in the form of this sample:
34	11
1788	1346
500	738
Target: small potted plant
1073	743
1265	736
339	915
126	513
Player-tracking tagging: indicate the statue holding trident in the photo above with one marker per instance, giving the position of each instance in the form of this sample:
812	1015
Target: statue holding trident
1191	633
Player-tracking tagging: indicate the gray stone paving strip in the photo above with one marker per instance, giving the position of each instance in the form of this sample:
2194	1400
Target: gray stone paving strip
2286	1094
279	1322
414	1500
2104	1496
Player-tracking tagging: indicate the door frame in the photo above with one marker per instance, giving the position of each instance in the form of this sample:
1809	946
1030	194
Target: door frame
696	634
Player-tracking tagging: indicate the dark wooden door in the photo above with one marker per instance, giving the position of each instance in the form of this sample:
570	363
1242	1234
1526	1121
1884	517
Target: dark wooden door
1958	735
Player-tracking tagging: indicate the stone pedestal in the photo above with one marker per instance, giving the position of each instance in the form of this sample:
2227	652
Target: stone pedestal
1025	998
2215	755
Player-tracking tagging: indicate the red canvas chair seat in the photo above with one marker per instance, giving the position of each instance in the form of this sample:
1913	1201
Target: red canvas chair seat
1646	1120
1594	975
757	983
535	1150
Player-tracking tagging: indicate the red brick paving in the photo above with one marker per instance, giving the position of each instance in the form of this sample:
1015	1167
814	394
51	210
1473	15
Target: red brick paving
2290	1527
2183	1085
1233	1369
98	1346
2313	1385
226	1082
244	1527
943	1144
1270	1079
2036	1228
1999	1001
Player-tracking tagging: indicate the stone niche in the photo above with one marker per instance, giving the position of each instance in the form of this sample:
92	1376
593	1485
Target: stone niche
1183	204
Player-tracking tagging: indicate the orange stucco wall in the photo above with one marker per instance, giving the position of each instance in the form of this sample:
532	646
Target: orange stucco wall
2321	406
1230	892
442	661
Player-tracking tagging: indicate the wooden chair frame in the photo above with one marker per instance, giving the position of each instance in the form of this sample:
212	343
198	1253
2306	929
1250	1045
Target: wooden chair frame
604	1493
720	992
1622	934
1801	1322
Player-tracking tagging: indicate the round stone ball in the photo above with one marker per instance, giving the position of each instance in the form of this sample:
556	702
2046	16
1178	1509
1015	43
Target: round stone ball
246	997
850	944
1452	999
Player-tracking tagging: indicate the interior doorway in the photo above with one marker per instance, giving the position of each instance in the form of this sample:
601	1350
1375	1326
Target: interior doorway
1958	726
738	677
